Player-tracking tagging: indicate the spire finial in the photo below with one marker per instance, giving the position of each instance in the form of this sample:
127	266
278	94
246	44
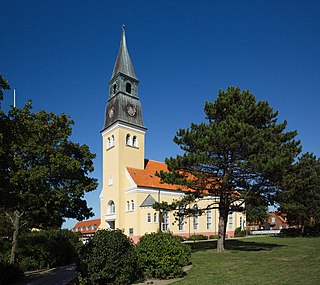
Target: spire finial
123	63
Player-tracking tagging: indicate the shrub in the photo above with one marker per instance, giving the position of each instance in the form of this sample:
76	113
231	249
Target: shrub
162	255
46	249
198	237
239	233
213	237
109	258
9	273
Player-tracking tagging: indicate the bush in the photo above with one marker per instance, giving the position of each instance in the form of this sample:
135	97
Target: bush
213	237
162	255
239	233
46	249
197	237
9	273
109	258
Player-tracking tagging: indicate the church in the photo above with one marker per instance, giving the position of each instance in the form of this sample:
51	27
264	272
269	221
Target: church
130	186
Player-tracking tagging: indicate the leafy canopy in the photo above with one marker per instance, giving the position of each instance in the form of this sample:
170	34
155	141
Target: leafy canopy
43	174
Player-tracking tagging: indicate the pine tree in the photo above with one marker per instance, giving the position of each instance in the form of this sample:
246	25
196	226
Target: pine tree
241	153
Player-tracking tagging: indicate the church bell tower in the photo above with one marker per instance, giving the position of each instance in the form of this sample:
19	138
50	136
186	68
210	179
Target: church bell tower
122	138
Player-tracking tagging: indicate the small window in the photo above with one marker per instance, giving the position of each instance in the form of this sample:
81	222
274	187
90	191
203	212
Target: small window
110	182
135	141
230	222
132	205
128	87
209	219
114	88
155	217
148	218
128	140
165	221
181	219
196	217
111	208
128	206
130	231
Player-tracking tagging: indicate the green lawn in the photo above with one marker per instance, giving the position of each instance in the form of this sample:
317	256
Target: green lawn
257	260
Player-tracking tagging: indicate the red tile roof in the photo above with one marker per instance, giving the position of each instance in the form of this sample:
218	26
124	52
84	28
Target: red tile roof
82	226
146	177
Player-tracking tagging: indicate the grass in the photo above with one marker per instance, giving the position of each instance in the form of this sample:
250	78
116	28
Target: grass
256	260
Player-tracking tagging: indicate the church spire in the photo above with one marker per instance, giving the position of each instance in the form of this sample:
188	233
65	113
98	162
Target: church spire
123	63
124	105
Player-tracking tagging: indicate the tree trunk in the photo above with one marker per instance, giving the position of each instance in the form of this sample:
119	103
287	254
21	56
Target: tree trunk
16	226
223	214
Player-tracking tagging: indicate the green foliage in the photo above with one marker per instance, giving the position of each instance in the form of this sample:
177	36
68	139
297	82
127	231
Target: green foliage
9	273
241	147
239	233
300	198
162	255
42	173
3	86
198	237
213	237
109	258
47	249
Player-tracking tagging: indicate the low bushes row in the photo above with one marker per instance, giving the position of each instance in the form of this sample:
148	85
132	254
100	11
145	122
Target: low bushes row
110	257
47	249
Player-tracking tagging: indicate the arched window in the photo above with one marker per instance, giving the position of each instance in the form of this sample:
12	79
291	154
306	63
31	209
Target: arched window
108	143
132	205
128	140
148	218
135	141
111	208
114	88
128	206
112	140
128	87
155	217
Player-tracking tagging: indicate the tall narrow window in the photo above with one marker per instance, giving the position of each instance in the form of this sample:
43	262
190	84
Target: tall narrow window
132	205
128	87
128	206
155	217
128	140
230	222
181	219
135	141
196	217
111	207
240	223
148	218
165	221
209	219
114	88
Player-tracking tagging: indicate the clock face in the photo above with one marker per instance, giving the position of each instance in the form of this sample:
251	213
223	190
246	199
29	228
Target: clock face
131	110
111	112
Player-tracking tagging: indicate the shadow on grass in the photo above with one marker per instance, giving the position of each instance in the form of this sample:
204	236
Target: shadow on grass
235	244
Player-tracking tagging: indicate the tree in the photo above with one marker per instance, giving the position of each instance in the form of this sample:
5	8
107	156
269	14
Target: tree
300	198
256	211
3	86
43	174
240	154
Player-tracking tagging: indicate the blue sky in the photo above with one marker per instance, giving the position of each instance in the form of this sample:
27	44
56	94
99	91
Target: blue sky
61	54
